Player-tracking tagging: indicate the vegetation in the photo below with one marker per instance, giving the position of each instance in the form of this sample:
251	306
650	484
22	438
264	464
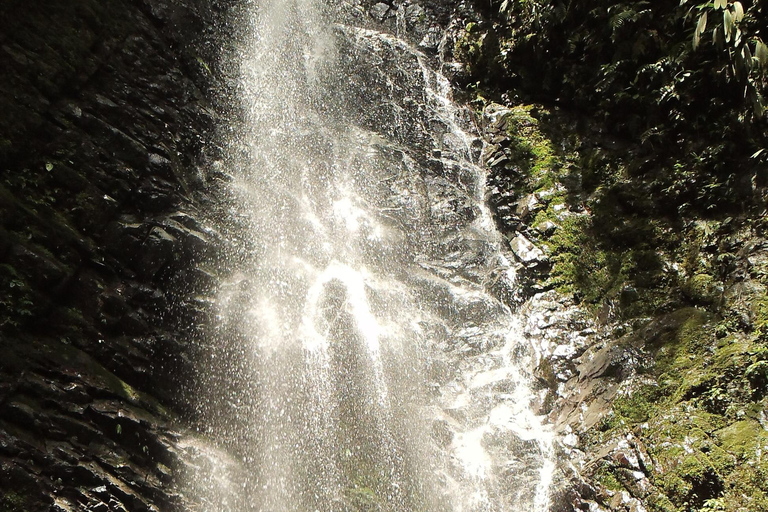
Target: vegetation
646	143
681	85
702	421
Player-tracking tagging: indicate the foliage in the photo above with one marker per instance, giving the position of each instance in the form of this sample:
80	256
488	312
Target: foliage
17	301
683	84
700	422
13	502
735	34
669	98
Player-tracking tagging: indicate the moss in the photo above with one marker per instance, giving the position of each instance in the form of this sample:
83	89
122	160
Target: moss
700	424
702	289
639	406
478	49
760	309
101	377
689	463
598	264
661	503
594	272
13	501
607	479
574	262
533	150
364	498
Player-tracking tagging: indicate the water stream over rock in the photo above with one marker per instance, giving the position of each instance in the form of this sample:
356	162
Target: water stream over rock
366	356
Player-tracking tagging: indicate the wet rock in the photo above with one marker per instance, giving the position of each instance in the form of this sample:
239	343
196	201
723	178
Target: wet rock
546	228
21	414
381	11
100	102
431	40
156	250
442	433
41	268
195	244
528	205
741	297
526	252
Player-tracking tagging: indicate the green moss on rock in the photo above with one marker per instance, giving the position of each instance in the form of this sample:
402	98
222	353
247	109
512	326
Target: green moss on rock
13	501
699	423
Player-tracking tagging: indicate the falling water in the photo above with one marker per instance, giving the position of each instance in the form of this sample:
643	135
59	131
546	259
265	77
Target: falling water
364	358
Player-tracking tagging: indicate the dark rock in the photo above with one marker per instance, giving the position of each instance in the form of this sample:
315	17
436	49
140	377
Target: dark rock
156	251
20	414
41	269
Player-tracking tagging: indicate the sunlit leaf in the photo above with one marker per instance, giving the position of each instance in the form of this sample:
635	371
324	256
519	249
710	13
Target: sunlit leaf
719	38
747	56
758	103
761	53
757	153
728	26
701	26
738	12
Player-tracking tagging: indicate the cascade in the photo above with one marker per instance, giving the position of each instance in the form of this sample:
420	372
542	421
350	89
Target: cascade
365	355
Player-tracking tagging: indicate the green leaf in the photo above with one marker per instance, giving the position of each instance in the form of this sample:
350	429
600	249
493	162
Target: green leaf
701	26
48	166
761	53
738	12
757	153
747	56
721	4
728	26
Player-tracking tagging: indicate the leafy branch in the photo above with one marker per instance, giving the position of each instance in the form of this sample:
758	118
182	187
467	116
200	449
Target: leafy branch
732	33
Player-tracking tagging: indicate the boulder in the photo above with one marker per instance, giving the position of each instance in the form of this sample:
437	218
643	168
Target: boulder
526	252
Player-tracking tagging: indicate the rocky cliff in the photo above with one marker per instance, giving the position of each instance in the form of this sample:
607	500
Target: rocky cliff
105	251
644	260
649	322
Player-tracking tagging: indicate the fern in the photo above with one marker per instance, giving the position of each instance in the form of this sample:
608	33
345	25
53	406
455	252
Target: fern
619	20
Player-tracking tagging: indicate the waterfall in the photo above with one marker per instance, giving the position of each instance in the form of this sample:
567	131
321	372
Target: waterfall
364	356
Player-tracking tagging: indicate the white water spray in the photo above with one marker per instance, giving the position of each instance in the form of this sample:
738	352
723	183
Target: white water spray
360	353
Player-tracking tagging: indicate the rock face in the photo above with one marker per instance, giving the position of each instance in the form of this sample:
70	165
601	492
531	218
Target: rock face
109	257
651	342
105	250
